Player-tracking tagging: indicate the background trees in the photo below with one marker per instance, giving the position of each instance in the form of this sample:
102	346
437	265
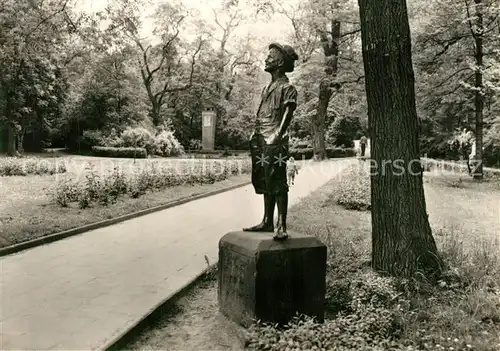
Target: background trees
69	77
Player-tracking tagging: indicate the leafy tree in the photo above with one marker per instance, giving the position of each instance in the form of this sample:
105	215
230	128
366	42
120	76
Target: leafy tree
457	65
162	68
30	66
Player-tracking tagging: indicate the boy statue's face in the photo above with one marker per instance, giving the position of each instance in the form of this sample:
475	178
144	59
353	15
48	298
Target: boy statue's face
274	60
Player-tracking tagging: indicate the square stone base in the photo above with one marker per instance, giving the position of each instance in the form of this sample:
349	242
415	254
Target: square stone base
268	280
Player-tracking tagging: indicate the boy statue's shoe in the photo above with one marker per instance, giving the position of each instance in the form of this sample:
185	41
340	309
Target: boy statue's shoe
280	235
280	232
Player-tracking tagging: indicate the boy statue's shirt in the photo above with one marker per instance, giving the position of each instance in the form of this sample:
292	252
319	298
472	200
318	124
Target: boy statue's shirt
275	98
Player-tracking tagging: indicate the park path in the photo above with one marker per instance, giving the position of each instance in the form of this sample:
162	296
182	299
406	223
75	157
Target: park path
82	292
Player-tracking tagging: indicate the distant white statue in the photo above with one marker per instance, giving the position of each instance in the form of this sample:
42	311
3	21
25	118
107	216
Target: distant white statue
472	151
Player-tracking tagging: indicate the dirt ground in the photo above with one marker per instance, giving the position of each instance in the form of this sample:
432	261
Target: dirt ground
194	324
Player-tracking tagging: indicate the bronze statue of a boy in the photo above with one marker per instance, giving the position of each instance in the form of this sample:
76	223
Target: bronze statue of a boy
269	141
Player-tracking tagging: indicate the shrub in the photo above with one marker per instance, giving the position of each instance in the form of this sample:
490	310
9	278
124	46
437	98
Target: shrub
231	136
491	155
30	166
121	152
297	143
207	152
216	154
439	148
372	322
91	138
456	166
66	192
113	139
138	137
162	144
166	144
195	144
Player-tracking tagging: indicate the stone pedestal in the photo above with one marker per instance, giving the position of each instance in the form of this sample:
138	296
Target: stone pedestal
261	278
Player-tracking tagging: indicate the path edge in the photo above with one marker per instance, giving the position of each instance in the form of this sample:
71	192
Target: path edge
16	248
121	339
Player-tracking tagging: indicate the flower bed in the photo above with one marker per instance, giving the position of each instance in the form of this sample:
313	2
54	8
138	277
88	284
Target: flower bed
107	188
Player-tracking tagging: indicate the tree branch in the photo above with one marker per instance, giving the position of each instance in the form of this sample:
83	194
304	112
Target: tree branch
350	32
165	48
491	22
216	19
355	81
68	60
451	76
48	18
165	89
446	44
458	85
468	18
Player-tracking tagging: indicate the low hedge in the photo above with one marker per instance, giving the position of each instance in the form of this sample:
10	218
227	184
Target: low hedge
207	152
217	152
298	153
337	152
331	152
121	152
214	154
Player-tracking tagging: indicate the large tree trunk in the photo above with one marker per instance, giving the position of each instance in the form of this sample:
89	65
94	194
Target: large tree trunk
326	86
11	140
402	242
318	123
155	113
479	99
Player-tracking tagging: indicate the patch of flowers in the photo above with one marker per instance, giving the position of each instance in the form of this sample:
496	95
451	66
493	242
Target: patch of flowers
353	190
106	189
370	321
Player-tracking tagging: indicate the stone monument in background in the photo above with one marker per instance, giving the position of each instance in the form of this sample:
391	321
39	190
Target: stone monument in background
208	120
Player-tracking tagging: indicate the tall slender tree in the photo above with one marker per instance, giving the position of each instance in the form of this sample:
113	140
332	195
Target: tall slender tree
477	30
402	241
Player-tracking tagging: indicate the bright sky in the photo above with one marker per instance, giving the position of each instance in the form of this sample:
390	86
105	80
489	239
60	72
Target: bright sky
276	29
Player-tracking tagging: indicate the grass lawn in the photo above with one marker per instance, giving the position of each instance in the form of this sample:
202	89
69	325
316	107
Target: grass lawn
366	311
27	210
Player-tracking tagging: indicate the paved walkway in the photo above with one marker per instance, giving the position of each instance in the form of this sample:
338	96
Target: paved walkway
80	293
